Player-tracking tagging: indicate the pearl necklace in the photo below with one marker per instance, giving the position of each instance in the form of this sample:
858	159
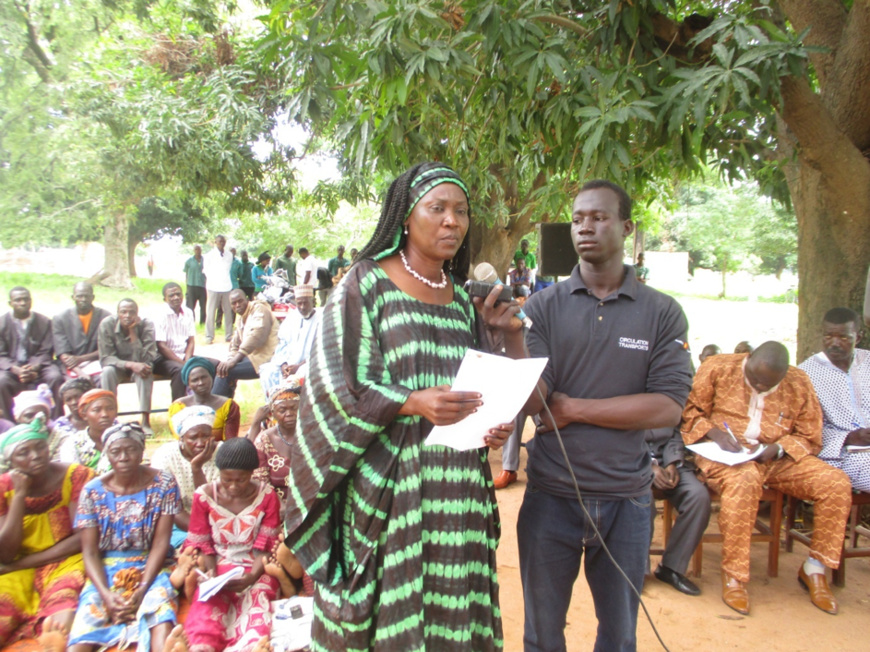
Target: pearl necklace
421	278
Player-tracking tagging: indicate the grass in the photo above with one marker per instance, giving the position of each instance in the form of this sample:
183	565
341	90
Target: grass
56	289
52	293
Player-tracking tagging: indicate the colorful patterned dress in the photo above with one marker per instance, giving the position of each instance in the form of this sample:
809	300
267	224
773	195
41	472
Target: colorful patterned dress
228	620
399	537
226	421
274	467
28	596
126	525
81	449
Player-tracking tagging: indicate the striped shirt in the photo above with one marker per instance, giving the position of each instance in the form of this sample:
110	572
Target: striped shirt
175	328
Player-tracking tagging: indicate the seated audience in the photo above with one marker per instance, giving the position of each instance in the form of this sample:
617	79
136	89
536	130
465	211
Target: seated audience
274	444
710	349
127	353
234	523
841	375
26	351
759	401
42	568
189	460
677	480
175	336
254	341
99	408
743	347
75	333
71	422
520	279
125	520
198	375
295	337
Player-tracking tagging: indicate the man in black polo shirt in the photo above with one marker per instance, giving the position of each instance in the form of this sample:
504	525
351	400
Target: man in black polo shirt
619	365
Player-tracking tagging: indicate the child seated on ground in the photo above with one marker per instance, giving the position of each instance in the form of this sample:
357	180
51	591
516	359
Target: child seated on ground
233	523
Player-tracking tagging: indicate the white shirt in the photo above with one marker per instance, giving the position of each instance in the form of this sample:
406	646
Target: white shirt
216	268
308	264
296	337
845	398
175	329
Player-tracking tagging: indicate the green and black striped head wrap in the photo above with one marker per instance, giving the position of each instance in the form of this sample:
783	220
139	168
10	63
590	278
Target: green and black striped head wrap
403	195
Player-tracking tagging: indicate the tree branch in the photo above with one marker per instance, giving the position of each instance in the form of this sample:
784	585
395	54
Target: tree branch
822	145
848	89
33	53
566	23
826	18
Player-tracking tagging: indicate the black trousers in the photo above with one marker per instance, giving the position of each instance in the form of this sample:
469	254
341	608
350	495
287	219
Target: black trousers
196	293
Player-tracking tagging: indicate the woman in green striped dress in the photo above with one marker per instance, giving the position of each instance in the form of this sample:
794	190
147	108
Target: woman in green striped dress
399	537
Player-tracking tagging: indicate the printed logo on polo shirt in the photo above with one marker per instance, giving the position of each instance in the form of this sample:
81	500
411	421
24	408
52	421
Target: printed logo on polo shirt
631	343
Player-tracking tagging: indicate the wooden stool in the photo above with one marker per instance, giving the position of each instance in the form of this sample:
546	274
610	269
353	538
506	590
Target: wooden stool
765	533
853	530
657	494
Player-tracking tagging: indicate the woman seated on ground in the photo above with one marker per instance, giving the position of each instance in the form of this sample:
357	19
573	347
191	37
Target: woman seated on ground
273	444
71	422
233	523
189	460
99	408
198	374
41	568
125	519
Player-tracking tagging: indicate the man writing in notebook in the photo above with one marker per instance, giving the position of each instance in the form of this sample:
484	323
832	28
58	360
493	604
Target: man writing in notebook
757	401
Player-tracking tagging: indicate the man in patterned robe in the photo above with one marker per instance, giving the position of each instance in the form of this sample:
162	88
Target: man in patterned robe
758	401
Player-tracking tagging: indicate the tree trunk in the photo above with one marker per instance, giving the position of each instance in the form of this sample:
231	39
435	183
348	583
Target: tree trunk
117	266
833	245
131	257
494	245
724	277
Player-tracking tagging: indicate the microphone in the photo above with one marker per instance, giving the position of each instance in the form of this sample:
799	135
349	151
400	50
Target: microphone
485	277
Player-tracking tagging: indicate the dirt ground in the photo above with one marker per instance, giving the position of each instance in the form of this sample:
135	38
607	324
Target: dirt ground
782	618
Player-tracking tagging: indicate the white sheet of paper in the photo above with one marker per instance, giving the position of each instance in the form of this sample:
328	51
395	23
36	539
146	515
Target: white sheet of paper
505	385
857	449
711	450
208	588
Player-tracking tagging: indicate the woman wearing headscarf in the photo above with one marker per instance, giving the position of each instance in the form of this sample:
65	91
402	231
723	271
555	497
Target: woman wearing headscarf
125	519
99	407
189	460
26	407
273	445
198	374
399	537
41	568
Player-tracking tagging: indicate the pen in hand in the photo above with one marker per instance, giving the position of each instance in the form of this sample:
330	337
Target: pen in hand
731	433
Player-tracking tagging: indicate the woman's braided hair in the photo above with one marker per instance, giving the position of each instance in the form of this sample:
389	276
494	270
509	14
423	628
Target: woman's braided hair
393	215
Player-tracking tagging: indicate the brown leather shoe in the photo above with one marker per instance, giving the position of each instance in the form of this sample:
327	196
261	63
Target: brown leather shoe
735	595
820	594
504	479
